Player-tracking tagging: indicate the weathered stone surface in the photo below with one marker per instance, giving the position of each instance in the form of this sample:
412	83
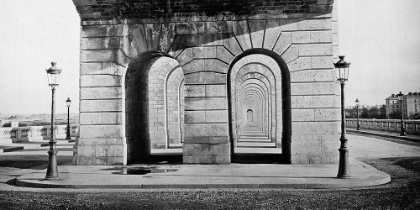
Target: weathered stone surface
315	149
101	92
327	115
216	116
195	90
315	128
205	103
195	116
313	88
100	105
215	90
101	118
204	130
315	49
205	78
319	75
101	131
314	101
101	68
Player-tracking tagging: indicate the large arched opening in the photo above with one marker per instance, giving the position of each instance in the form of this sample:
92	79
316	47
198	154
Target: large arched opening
154	113
259	80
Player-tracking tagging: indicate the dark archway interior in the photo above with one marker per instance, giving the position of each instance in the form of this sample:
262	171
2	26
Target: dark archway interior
137	113
256	97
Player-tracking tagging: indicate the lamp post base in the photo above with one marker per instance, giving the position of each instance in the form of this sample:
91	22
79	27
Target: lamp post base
68	137
52	171
343	165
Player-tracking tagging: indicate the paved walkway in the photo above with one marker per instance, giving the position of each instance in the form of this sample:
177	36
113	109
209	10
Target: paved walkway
223	176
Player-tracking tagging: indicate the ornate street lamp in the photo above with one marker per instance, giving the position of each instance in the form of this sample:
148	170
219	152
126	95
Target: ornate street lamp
53	74
343	74
357	105
400	98
68	102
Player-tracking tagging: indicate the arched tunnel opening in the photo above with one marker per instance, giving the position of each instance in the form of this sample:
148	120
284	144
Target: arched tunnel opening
258	98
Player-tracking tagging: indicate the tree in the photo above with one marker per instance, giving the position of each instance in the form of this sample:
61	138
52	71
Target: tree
364	112
382	112
395	115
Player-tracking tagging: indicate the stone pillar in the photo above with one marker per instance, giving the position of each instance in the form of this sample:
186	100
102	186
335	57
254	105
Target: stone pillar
206	126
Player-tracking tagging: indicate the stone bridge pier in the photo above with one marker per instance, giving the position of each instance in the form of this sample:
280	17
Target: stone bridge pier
208	81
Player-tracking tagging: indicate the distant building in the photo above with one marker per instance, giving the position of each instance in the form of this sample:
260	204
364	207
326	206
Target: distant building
410	104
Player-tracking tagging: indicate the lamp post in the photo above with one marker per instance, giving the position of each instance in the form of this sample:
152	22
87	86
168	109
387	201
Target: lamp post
68	102
357	105
343	74
53	77
400	99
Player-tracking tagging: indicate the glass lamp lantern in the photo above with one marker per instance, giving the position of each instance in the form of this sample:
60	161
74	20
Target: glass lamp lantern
343	69
68	102
53	74
357	101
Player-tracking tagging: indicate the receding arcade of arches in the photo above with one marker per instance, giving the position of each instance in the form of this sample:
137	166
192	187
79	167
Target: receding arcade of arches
259	100
154	90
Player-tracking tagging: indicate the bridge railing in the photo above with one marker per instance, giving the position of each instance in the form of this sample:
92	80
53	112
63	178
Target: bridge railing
33	133
393	125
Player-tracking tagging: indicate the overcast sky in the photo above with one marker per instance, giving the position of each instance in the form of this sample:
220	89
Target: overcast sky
381	39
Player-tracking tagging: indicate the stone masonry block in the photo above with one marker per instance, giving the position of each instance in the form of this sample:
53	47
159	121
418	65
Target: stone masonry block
322	62
315	49
205	103
193	66
241	32
108	131
284	41
195	117
215	90
205	78
101	68
232	45
301	37
301	63
303	115
291	53
215	65
324	101
224	55
312	88
315	149
100	81
101	140
101	118
195	90
101	93
321	36
100	43
205	130
216	116
100	105
257	29
98	55
315	128
110	151
327	115
102	31
312	75
204	52
314	24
